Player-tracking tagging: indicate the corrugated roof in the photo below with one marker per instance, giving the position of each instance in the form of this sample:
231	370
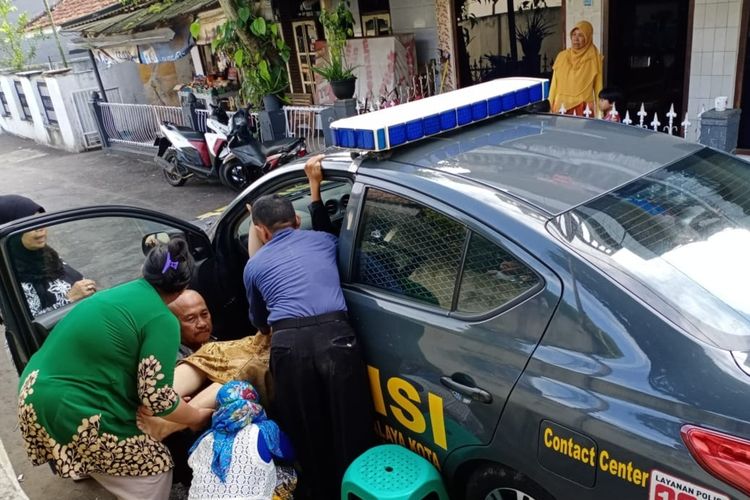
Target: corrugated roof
140	19
69	10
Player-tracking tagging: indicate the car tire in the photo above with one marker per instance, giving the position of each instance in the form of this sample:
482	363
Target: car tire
495	482
173	176
237	176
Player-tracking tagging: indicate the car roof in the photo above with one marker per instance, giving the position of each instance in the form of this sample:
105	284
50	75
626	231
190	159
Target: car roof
552	162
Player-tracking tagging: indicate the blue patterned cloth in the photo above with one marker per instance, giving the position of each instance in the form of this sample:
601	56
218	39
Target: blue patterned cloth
238	407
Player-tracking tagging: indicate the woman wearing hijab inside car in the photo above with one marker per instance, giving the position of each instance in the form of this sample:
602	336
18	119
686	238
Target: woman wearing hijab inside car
47	281
111	354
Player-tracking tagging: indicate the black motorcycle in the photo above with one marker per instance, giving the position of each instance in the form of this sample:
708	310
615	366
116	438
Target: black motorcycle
227	152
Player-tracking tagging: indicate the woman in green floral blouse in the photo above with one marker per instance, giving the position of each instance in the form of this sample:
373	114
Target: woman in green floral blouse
113	352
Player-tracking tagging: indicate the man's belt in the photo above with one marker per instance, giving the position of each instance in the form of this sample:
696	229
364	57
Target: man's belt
291	323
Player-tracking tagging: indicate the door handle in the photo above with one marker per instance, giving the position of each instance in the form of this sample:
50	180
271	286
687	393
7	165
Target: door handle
471	391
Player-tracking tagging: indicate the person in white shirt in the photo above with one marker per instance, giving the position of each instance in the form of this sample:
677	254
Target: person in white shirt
235	458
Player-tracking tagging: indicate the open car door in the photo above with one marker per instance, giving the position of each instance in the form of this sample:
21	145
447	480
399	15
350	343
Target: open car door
41	257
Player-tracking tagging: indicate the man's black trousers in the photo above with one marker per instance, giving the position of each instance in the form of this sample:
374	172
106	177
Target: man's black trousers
322	399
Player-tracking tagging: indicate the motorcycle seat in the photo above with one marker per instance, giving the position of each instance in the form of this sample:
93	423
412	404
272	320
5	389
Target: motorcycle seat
280	146
187	132
249	155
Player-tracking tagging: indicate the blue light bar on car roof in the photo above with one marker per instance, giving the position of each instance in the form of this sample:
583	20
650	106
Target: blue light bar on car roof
390	127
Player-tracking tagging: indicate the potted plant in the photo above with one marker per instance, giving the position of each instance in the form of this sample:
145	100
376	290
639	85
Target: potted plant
266	84
257	47
533	34
338	24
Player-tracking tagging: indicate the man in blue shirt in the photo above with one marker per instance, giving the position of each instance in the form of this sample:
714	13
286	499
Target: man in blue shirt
322	396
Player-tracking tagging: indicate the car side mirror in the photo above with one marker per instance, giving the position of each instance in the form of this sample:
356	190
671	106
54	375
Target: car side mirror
152	239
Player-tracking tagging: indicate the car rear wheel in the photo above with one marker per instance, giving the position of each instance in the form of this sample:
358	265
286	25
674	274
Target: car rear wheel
172	175
494	482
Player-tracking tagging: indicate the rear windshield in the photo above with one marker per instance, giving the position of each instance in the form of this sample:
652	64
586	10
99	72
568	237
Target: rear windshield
683	231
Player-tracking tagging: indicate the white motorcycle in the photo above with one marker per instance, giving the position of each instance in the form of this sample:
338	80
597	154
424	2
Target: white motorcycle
227	153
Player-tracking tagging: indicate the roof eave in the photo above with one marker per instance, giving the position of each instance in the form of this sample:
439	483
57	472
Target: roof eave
114	9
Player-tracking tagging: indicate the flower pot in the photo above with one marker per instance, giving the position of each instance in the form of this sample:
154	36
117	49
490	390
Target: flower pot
271	102
344	89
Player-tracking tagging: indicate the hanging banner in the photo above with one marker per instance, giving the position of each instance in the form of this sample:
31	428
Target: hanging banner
113	55
175	49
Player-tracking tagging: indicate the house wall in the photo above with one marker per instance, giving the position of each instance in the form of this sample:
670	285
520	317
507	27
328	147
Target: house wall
481	9
14	123
418	17
716	41
66	134
160	80
62	97
126	78
38	131
484	37
576	11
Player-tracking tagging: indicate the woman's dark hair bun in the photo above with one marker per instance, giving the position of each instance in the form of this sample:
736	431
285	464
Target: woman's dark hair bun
169	267
178	248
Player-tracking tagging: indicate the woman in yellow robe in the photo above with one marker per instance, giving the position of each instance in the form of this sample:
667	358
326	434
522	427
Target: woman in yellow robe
577	76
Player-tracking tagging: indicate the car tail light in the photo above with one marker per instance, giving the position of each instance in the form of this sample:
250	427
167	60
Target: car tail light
302	151
726	457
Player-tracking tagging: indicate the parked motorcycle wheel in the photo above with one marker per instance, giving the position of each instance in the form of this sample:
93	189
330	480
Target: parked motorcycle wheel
238	176
173	176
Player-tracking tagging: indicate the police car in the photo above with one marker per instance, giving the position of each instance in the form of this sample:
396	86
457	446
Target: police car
550	306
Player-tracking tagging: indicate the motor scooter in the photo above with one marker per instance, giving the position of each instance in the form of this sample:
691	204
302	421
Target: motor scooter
227	152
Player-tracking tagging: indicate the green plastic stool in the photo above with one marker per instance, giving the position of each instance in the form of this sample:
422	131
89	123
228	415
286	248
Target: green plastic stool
391	472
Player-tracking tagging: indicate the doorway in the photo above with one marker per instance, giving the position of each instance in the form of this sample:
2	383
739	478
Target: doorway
647	44
744	88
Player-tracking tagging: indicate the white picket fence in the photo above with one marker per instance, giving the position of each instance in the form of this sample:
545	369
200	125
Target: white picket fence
300	121
420	86
686	128
138	124
305	121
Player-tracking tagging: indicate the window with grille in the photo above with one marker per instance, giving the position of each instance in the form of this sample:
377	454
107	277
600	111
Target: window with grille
49	108
411	250
4	104
491	277
25	111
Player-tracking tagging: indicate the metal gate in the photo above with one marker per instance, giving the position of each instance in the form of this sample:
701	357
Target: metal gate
85	116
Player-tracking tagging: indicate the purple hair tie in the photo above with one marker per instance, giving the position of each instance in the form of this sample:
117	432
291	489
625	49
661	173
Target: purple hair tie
169	263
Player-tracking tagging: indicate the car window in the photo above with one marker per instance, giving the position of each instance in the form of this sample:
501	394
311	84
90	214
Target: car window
491	277
682	231
335	195
49	262
409	249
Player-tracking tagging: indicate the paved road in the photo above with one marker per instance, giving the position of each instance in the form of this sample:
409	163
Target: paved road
58	180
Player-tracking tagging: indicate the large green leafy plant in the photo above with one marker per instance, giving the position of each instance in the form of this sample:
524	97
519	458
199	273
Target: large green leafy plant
257	47
339	25
537	27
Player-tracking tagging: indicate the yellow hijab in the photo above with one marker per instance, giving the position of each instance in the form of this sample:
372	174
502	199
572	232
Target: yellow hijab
577	74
